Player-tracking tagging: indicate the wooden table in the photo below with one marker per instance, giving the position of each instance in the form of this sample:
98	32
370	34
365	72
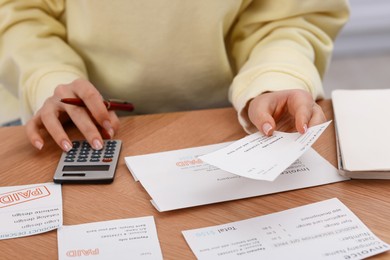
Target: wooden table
21	164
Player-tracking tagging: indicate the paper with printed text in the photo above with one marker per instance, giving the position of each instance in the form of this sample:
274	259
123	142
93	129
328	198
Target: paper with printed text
134	238
30	209
261	157
180	179
325	230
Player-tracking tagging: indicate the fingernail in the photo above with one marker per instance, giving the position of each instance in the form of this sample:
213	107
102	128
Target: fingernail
304	128
107	126
97	145
38	145
266	128
66	146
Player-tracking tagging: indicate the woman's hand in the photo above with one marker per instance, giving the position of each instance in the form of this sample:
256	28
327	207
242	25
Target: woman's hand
265	110
54	113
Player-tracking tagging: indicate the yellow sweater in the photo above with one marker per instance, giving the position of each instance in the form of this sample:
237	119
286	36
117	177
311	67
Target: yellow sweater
167	55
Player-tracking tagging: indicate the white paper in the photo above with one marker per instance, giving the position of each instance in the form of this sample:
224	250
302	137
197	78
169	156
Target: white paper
361	118
30	209
179	179
324	230
260	157
134	238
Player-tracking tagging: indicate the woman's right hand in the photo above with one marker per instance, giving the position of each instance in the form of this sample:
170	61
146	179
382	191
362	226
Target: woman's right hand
265	110
54	113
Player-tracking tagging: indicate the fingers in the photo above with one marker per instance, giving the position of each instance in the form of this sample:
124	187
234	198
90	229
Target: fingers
260	112
94	102
318	116
55	129
87	127
115	125
53	108
266	109
33	128
302	119
306	112
49	117
114	121
86	118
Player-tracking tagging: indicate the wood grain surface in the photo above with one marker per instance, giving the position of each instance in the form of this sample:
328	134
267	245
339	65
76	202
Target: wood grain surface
22	164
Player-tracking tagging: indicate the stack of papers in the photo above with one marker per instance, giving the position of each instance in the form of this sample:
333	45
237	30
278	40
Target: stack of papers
363	132
180	179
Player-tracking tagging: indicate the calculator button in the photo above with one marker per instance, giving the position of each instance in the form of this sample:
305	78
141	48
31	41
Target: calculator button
107	160
69	160
76	144
94	160
82	160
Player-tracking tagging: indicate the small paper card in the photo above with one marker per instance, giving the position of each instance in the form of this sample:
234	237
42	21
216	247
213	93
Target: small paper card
261	157
134	238
324	230
30	209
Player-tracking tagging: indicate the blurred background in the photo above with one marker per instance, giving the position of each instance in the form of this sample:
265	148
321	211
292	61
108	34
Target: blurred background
361	58
9	108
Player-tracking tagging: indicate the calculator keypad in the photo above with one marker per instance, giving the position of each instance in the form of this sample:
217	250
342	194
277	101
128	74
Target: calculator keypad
83	152
82	164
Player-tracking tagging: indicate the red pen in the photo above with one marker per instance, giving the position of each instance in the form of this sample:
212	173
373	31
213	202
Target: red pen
110	104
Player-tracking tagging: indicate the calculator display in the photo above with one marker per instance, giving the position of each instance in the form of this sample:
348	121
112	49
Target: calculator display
73	168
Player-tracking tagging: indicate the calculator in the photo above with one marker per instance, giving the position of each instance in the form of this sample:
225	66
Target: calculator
82	164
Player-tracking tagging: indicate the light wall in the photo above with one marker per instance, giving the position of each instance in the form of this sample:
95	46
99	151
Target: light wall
361	59
367	31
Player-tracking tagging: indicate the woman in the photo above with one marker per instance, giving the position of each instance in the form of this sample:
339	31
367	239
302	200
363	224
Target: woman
266	57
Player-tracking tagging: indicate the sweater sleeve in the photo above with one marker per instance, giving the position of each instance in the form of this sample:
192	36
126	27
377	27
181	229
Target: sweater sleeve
280	45
35	56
